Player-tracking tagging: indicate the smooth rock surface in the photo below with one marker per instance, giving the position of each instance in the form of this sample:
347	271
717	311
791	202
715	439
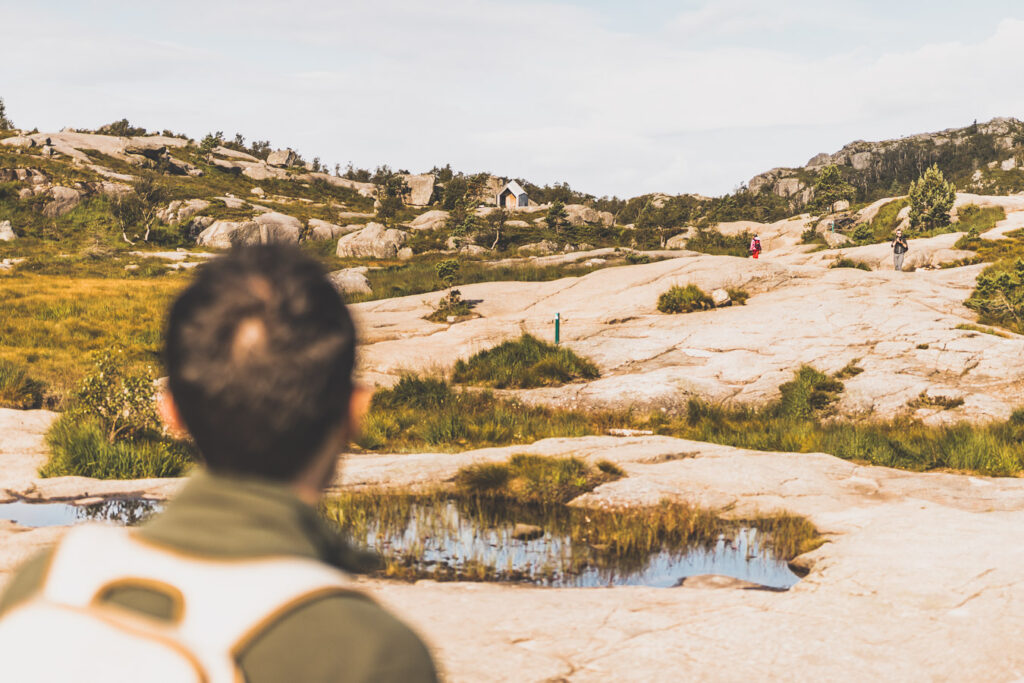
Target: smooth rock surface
373	241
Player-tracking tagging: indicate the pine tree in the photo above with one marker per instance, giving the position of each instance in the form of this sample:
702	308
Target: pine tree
831	188
5	123
931	200
557	217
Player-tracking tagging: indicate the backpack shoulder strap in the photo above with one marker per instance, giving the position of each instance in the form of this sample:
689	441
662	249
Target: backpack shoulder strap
220	605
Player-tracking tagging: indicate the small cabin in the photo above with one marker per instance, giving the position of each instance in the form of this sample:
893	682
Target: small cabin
511	196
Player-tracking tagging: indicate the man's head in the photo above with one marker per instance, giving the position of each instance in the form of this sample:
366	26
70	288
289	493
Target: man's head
899	232
260	352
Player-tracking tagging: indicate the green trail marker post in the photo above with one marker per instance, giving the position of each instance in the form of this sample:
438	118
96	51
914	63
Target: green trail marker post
558	327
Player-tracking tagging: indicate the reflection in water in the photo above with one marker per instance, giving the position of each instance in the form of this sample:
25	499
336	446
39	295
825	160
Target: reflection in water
452	539
124	511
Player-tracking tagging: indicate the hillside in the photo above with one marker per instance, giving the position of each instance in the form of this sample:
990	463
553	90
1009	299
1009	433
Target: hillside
986	158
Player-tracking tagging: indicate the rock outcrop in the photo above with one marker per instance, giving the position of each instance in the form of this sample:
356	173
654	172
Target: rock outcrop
373	241
421	189
322	230
7	232
282	158
182	210
227	234
351	281
62	199
584	215
542	248
431	220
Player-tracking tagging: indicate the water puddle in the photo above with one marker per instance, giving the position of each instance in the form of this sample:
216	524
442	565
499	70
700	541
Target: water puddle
470	539
116	510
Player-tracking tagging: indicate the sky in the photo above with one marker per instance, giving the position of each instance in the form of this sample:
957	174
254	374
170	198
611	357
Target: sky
616	98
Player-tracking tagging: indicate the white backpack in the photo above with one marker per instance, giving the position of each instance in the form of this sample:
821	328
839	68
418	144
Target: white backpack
65	633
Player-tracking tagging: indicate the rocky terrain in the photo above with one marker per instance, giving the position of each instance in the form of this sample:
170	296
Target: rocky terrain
887	597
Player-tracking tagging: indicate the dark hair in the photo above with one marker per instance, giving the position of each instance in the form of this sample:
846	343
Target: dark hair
260	352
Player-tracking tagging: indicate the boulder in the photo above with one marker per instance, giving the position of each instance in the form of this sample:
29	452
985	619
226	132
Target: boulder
580	215
261	171
7	232
18	141
62	200
421	189
841	205
405	253
227	234
431	220
720	298
181	210
1009	164
322	230
373	241
473	250
351	281
282	158
678	241
542	248
280	228
835	239
258	191
152	153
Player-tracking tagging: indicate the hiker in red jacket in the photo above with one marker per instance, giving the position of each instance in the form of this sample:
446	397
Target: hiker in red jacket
755	246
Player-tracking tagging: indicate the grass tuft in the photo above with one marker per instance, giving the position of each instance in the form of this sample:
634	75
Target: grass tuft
17	388
684	300
524	363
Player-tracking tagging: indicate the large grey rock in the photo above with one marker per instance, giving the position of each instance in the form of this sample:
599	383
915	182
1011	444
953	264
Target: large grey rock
679	241
281	228
580	215
835	239
7	232
181	210
21	141
322	230
373	241
542	248
282	158
62	200
421	189
720	298
431	220
351	281
227	234
262	171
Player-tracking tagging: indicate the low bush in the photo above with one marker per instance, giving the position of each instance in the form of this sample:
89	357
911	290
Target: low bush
738	296
79	447
524	363
17	388
535	479
684	300
846	262
710	241
451	305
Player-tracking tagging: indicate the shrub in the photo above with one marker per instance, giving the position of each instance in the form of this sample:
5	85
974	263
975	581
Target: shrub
17	389
999	295
931	199
846	262
524	363
120	400
79	447
738	296
534	479
633	258
684	300
452	305
810	393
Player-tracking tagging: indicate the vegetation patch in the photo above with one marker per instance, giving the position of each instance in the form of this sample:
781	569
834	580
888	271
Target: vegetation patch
17	388
984	330
846	262
111	429
534	479
684	300
711	241
926	400
469	535
524	363
738	296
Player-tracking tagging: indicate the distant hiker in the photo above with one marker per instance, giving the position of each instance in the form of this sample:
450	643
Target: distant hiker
899	249
239	579
755	247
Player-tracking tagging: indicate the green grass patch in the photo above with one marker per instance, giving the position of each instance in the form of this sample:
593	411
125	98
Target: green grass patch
79	447
17	388
846	262
533	479
738	296
524	363
684	300
711	241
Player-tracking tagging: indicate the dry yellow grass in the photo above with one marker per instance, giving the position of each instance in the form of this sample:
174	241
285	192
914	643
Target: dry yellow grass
52	324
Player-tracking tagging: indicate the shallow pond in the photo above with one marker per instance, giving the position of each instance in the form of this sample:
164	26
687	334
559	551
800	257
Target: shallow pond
561	546
115	510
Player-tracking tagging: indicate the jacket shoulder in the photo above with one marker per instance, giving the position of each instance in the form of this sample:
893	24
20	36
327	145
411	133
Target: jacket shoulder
26	581
338	638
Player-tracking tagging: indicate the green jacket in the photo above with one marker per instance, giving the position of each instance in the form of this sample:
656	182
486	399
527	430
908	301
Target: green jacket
334	638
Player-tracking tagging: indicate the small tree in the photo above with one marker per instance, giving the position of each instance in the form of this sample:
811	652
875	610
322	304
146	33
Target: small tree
121	399
557	217
5	123
138	208
497	220
391	193
931	200
830	188
447	271
211	142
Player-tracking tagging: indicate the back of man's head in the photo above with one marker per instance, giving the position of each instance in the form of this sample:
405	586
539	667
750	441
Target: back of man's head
260	352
